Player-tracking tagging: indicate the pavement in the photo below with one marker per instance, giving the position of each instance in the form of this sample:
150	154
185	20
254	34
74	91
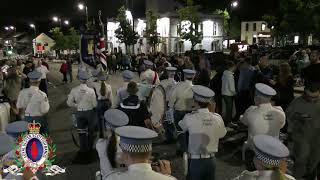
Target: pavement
228	164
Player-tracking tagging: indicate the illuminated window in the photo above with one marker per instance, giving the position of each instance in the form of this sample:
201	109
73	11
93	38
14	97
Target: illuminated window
263	26
208	28
296	39
163	27
215	29
141	27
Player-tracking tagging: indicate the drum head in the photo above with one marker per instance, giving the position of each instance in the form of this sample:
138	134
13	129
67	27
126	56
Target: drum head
157	104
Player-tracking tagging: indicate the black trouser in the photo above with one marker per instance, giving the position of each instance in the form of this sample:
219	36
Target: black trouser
43	86
64	77
202	169
228	102
86	124
102	107
181	137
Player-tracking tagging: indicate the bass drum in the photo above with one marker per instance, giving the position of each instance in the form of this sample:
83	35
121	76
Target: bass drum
157	107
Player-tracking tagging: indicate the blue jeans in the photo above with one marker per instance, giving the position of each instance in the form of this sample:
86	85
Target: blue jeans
202	169
41	120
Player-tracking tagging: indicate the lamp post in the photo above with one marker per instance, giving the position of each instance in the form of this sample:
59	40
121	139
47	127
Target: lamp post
57	19
81	7
32	26
233	5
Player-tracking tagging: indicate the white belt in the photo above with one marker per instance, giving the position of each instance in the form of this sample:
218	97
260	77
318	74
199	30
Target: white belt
201	156
82	109
31	115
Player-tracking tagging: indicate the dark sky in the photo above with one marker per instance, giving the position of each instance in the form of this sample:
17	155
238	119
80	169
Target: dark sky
22	12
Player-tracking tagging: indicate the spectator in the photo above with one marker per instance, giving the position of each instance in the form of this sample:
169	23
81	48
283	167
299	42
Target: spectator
245	85
284	86
228	92
304	60
264	72
63	70
69	70
311	72
304	121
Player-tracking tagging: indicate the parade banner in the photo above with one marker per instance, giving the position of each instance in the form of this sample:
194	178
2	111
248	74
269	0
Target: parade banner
88	43
34	152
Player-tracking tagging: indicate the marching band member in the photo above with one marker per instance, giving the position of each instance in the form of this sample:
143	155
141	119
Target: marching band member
84	100
108	148
136	109
263	118
136	144
205	129
270	153
104	96
14	130
34	103
122	93
43	86
148	79
180	103
149	76
169	84
6	146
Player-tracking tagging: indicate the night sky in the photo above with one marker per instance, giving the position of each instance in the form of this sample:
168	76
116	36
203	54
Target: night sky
22	12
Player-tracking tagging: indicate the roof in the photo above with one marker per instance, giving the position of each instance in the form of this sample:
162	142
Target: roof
44	36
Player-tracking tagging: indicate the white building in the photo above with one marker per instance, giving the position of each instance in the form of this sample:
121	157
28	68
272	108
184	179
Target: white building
167	28
254	32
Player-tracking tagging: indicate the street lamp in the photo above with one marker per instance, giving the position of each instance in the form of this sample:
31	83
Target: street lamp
82	7
57	19
235	4
66	22
34	28
6	28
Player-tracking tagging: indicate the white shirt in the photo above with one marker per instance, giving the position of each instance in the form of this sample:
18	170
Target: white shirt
168	85
97	87
44	71
141	171
228	86
182	97
205	129
33	101
148	76
82	97
258	175
263	119
122	94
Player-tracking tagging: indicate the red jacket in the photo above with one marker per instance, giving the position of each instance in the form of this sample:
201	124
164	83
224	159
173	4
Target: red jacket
64	68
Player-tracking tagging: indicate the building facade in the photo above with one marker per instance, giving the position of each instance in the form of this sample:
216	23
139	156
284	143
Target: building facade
167	28
254	32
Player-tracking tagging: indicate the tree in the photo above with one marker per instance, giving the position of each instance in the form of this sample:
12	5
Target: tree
190	31
73	39
296	16
151	30
59	39
125	33
226	19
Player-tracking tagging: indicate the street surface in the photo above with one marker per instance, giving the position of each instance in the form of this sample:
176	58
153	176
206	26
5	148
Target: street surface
228	165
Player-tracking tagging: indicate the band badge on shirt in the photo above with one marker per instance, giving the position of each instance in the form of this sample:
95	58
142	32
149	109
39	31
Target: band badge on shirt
35	152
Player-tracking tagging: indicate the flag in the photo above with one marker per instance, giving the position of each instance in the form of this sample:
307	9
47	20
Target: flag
87	49
101	55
